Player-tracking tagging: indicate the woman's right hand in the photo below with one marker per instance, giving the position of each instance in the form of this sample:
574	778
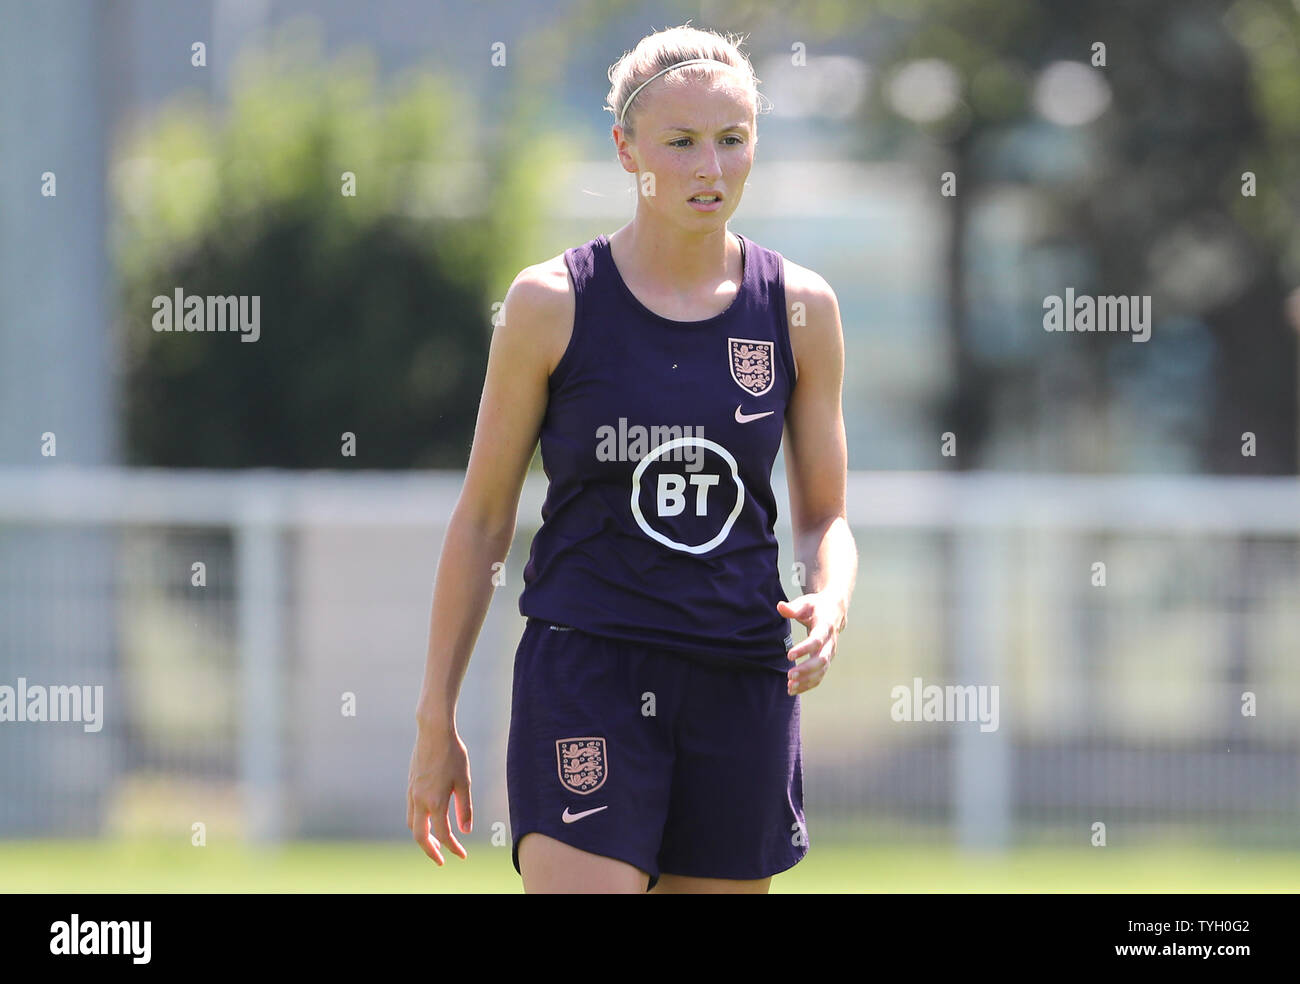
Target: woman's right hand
439	768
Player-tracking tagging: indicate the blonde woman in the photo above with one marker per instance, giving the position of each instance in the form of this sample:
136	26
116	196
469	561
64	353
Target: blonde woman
654	737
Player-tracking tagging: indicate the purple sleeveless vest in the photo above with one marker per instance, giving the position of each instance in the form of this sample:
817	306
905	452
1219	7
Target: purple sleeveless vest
658	440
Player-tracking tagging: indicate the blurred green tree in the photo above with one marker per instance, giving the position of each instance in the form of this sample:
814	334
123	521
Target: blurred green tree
376	307
1146	199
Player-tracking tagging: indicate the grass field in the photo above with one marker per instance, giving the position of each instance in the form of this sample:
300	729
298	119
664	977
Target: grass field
152	866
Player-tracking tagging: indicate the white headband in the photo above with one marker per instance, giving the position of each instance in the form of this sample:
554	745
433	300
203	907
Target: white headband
689	61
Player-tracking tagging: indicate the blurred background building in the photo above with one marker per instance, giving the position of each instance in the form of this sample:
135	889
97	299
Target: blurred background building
945	166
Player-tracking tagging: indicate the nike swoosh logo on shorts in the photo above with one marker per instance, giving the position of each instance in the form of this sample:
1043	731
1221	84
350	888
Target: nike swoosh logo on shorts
568	817
744	418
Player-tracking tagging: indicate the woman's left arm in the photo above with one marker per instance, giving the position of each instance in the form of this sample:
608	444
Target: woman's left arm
816	458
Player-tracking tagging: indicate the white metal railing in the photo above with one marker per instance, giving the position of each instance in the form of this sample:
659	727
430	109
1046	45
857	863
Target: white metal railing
69	494
261	506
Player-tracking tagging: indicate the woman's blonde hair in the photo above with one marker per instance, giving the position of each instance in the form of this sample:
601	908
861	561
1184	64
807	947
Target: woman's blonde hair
662	49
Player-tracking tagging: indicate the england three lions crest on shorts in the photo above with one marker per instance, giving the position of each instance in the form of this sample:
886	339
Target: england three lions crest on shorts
582	764
750	361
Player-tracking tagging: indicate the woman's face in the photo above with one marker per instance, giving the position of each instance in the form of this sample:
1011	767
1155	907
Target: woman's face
691	139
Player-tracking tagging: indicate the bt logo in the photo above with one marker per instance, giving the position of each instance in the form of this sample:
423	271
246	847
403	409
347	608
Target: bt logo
670	496
671	500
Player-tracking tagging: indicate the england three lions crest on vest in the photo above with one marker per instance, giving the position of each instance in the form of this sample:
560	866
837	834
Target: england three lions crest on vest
750	361
582	764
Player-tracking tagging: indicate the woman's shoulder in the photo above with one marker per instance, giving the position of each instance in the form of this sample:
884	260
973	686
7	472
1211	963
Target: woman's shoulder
546	283
540	306
802	283
817	326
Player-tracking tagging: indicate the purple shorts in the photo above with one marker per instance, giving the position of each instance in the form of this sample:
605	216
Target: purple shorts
645	755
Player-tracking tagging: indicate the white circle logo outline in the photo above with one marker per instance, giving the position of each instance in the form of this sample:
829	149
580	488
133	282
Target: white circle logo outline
679	442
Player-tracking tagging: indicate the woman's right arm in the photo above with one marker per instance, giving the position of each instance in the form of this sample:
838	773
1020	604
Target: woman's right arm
526	344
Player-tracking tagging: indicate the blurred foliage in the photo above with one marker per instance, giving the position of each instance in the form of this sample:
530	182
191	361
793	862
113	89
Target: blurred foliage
376	310
1144	200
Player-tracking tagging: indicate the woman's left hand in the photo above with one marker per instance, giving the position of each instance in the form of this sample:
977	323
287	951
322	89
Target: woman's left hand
823	617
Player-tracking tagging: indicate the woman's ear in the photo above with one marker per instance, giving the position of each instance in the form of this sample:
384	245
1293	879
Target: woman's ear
621	150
